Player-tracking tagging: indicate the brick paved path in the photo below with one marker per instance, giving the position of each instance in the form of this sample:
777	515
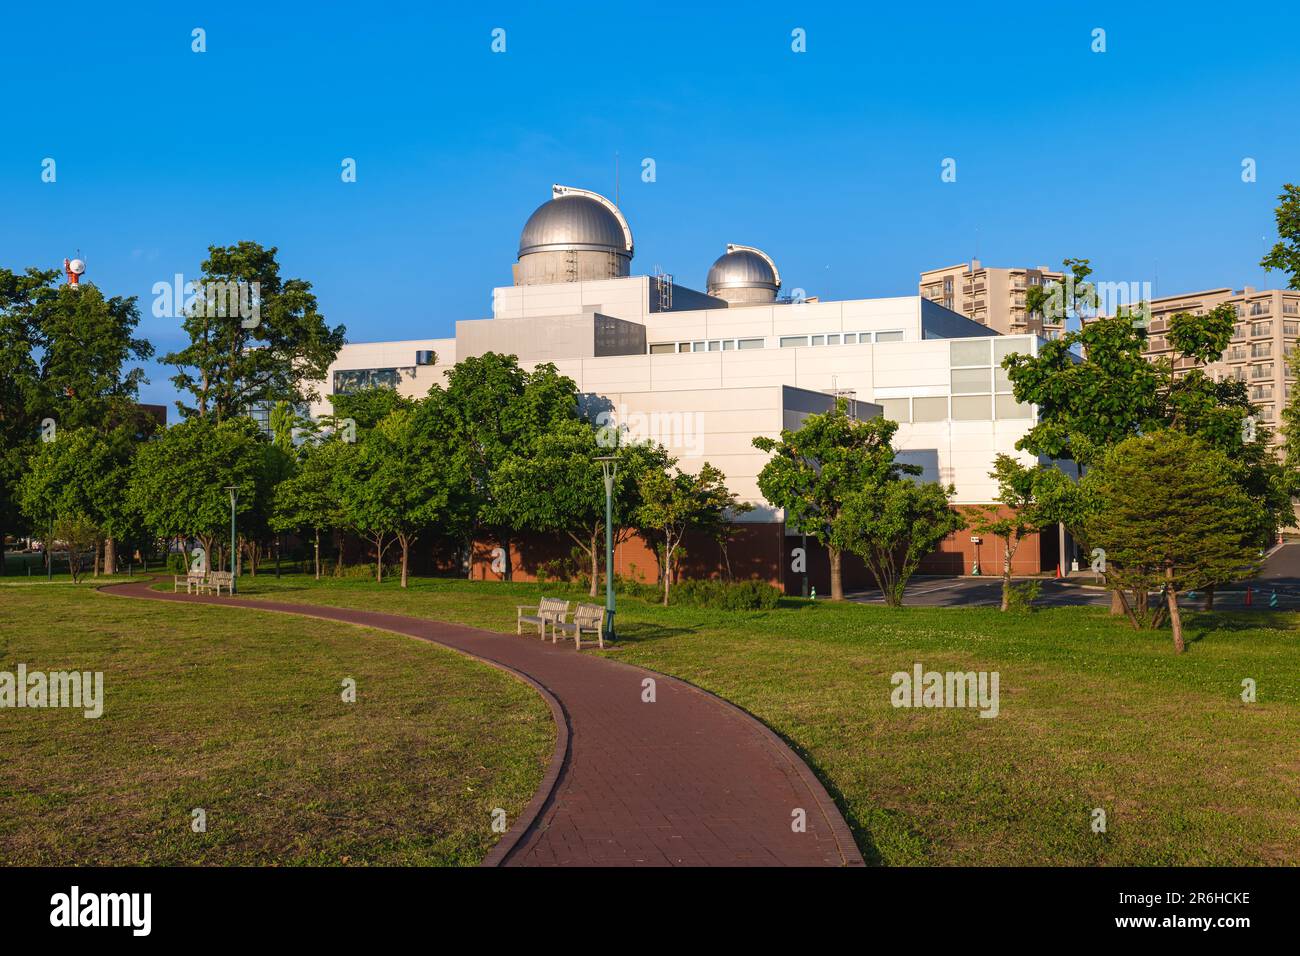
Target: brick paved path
688	780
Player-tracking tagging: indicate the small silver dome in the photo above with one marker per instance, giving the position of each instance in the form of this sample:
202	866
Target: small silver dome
576	220
743	267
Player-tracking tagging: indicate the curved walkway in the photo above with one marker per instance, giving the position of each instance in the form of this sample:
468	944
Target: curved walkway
688	780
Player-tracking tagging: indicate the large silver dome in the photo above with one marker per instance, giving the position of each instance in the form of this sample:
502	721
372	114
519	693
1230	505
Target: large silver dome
576	220
743	267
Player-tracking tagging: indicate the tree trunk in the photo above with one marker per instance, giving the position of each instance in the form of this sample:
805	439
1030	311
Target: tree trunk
837	578
316	558
1175	620
1209	598
110	555
1006	578
379	560
94	561
1116	603
338	553
595	565
668	571
406	551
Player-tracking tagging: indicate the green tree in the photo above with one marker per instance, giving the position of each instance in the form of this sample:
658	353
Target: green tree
79	534
1170	517
367	407
235	359
1018	514
559	487
674	504
64	363
892	524
490	413
1057	301
814	469
1285	254
394	487
308	501
180	479
81	474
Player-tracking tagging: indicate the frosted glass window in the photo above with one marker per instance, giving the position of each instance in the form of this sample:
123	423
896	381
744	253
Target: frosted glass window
976	352
850	338
728	344
793	341
832	340
819	340
715	346
659	348
896	409
929	409
971	409
749	343
889	336
1008	407
1001	380
1003	347
972	381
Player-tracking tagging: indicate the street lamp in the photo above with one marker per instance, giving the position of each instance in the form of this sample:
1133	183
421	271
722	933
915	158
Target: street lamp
975	567
234	494
609	467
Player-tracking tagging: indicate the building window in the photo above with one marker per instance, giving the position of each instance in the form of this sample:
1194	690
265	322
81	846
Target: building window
930	409
819	340
965	352
663	348
896	409
793	341
749	344
889	336
356	379
972	408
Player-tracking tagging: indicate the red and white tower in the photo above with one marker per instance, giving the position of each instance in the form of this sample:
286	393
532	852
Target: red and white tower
73	269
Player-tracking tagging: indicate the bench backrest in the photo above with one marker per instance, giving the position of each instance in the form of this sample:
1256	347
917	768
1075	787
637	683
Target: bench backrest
196	577
553	608
589	615
219	577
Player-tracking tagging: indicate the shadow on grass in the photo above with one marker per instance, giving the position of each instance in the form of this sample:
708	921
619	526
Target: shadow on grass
1210	622
642	632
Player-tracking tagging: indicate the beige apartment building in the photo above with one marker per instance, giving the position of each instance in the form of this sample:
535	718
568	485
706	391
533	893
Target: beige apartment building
1268	324
992	297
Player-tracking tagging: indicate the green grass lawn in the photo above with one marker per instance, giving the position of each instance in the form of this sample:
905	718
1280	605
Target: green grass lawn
241	714
1093	715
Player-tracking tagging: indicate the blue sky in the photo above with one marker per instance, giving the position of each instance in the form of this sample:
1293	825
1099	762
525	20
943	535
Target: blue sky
829	160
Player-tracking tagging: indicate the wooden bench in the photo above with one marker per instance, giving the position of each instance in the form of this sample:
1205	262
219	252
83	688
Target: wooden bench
194	581
549	611
216	581
587	619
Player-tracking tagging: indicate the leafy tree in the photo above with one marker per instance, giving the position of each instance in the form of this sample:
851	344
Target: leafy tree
559	488
82	474
308	500
230	362
491	412
64	355
367	407
813	471
1285	254
180	480
895	522
79	534
1058	300
1114	392
394	488
674	504
1021	513
1170	517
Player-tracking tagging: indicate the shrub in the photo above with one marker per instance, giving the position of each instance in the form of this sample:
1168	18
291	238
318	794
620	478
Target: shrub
1022	596
751	595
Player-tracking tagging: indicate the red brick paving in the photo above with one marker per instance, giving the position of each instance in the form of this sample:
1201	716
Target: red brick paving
688	780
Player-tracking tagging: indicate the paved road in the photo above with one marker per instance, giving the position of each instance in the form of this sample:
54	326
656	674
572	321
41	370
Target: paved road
1276	586
686	780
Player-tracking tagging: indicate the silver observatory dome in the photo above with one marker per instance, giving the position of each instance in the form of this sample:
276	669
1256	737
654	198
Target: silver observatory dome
577	235
744	275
